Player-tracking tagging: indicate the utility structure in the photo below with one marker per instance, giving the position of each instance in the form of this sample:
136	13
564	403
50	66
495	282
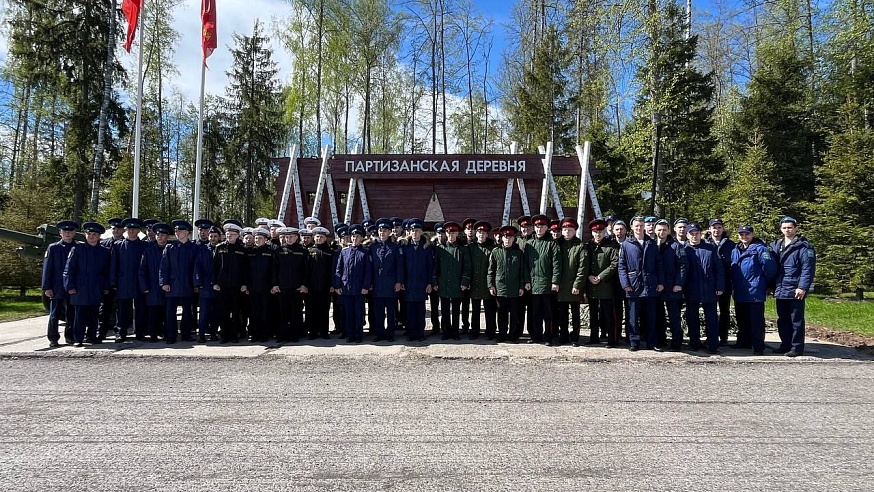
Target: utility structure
435	187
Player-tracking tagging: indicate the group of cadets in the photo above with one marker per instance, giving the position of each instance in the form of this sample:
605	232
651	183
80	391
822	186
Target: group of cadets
273	281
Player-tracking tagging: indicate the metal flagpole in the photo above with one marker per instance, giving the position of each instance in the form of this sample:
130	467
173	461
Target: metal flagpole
199	159
135	208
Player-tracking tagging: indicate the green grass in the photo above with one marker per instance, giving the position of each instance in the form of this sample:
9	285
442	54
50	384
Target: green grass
14	307
837	313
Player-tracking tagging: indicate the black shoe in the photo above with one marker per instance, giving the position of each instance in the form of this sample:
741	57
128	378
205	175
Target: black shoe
312	337
140	338
793	353
92	340
54	344
224	341
444	337
78	344
69	341
740	346
235	340
169	342
758	352
201	339
153	339
119	339
474	337
712	351
780	350
490	337
390	340
325	337
212	338
658	349
186	338
633	348
457	337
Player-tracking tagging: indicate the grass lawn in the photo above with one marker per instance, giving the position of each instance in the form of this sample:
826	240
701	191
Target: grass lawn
13	307
837	313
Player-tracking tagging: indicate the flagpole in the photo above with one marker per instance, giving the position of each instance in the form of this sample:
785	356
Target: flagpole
139	122
199	159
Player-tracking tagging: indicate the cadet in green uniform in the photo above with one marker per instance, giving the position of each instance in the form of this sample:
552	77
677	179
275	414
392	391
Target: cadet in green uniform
572	287
509	278
603	277
451	279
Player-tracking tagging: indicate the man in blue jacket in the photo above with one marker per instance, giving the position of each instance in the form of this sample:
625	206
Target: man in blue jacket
704	284
641	275
388	278
724	248
86	280
418	258
675	265
53	284
797	261
352	279
150	285
753	268
176	276
127	254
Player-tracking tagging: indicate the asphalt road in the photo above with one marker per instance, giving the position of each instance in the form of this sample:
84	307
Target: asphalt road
386	423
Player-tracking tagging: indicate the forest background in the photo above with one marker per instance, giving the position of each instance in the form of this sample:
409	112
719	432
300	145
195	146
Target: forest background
745	109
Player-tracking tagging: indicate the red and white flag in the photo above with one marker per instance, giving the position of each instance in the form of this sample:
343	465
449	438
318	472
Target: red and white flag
131	11
207	15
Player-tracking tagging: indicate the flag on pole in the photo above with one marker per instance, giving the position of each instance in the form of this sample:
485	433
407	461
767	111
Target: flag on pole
131	10
207	15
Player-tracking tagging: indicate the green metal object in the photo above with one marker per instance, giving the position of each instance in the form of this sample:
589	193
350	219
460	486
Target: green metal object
34	245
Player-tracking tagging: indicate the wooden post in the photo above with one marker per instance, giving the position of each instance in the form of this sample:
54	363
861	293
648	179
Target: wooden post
583	156
323	174
289	179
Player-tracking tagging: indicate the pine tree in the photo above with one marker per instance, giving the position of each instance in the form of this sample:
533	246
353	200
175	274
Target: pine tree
754	198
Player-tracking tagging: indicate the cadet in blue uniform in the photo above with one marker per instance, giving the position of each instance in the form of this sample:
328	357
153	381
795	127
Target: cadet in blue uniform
797	261
724	248
207	298
418	259
108	306
320	278
352	277
290	279
642	277
127	254
53	284
339	314
150	284
705	282
86	279
388	278
176	276
675	265
228	277
753	268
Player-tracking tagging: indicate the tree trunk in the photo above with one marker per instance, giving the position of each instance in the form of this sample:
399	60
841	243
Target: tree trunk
104	111
321	28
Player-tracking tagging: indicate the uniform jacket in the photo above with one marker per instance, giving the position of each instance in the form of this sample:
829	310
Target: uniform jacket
150	266
203	271
705	275
259	277
320	274
508	271
354	270
752	269
124	271
87	271
675	264
574	269
797	263
604	264
418	269
229	265
724	248
177	268
388	268
544	262
640	267
479	268
451	269
291	267
53	268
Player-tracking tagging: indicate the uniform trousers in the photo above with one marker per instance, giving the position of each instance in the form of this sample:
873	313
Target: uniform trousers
210	317
509	324
87	319
130	312
568	331
384	317
465	311
155	317
541	312
231	318
790	324
108	313
711	325
415	311
353	307
751	316
602	321
259	303
724	315
490	307
291	325
673	308
170	322
641	312
339	315
318	311
434	299
60	309
450	310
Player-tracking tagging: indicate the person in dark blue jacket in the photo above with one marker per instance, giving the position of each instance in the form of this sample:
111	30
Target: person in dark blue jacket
641	275
150	285
675	264
53	284
388	279
177	280
724	248
127	254
86	280
109	308
209	315
797	265
753	268
704	284
418	256
352	278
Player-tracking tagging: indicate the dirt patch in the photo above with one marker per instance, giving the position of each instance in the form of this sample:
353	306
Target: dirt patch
859	342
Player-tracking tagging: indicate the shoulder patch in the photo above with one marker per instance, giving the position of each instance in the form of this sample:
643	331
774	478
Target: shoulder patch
810	253
766	255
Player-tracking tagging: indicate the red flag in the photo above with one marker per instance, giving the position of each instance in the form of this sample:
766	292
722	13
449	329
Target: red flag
131	10
207	15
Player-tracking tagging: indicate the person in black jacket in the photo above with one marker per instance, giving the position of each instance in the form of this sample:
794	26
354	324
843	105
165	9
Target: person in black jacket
319	281
258	285
229	267
290	273
724	248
